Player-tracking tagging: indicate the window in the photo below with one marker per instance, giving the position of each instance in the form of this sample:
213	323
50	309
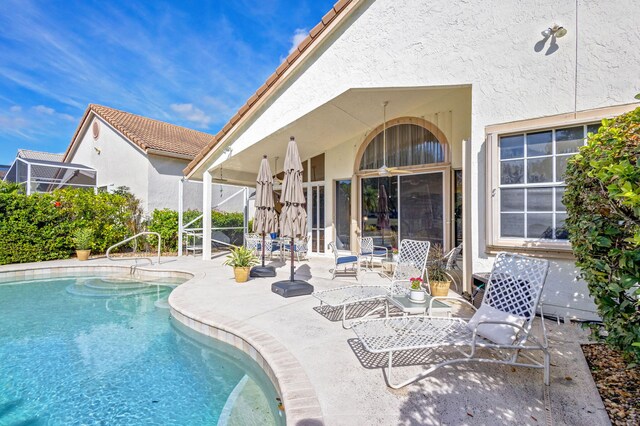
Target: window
532	170
407	145
526	171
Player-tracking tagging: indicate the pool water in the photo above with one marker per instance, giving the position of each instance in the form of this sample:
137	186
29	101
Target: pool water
104	350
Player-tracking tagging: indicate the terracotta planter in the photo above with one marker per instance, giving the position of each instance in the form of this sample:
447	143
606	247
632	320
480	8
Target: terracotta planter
439	288
241	274
83	254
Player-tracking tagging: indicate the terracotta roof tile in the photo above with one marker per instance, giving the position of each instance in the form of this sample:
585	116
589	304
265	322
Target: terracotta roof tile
148	133
335	11
329	16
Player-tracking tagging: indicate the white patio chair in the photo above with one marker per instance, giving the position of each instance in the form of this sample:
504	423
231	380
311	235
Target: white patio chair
369	252
502	324
251	242
343	261
412	262
300	248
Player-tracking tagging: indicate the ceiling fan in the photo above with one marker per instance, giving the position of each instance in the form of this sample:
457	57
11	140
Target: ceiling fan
384	170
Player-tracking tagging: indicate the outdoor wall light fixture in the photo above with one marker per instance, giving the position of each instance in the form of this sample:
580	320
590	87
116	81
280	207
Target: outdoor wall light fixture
555	30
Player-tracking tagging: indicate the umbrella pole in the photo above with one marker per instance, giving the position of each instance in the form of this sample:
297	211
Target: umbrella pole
293	246
263	238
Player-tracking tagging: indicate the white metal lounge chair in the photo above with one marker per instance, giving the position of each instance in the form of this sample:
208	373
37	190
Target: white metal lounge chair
502	324
412	262
343	261
369	252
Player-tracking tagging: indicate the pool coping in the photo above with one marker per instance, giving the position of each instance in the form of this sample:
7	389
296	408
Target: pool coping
301	404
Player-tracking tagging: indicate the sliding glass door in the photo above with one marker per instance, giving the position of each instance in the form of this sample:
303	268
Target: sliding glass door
406	206
422	207
343	214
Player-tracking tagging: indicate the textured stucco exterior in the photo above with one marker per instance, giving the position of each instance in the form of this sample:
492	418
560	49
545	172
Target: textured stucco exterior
492	56
154	179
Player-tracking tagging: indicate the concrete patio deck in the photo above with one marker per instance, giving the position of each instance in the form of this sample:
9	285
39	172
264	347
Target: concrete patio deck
328	379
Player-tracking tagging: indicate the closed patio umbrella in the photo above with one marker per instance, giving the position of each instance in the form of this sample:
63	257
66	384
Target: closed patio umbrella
293	218
265	220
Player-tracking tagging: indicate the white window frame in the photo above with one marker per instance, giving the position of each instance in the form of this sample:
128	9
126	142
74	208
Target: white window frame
497	243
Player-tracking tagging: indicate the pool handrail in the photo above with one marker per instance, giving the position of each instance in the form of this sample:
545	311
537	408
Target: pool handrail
133	238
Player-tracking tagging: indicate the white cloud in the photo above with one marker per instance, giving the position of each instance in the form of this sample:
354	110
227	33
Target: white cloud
191	113
41	109
15	108
298	35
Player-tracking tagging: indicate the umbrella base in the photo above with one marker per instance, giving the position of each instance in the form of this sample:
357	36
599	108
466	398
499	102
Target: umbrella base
292	288
262	272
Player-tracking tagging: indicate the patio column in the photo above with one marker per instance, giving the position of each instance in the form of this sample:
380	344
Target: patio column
467	243
206	215
180	214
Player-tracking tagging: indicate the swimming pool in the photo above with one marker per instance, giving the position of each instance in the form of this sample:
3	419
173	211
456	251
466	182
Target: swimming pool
104	350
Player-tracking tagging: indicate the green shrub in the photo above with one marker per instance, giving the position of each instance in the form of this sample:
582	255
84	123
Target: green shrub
165	222
40	226
603	207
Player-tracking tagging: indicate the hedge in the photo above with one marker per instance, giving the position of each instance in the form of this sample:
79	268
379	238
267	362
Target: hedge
165	222
40	226
603	206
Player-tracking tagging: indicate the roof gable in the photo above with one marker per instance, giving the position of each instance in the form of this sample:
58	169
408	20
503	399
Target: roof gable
146	133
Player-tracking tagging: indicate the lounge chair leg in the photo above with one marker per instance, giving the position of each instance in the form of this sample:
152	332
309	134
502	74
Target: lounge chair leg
547	364
344	318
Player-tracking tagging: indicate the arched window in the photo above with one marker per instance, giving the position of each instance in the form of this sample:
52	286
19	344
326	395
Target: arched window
408	144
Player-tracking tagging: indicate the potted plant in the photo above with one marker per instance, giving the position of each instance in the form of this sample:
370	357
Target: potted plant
82	238
241	259
417	293
394	254
439	279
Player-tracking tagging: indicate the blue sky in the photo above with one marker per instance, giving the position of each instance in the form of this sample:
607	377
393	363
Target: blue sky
191	63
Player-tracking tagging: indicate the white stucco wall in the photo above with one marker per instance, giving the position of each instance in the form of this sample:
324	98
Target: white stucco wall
117	161
496	47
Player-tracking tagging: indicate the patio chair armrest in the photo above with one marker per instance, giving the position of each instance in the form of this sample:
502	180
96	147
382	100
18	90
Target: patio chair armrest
457	298
386	250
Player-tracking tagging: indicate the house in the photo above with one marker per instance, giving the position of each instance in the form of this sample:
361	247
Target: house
40	171
444	120
145	155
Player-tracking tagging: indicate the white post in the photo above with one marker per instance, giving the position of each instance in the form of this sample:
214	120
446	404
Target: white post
206	215
28	179
180	214
467	214
245	223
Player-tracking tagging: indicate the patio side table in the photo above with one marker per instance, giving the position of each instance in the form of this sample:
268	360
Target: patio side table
408	307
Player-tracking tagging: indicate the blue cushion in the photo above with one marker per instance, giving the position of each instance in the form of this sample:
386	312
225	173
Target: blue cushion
346	259
379	252
365	253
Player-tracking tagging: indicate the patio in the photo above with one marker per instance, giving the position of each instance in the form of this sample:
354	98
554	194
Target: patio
348	382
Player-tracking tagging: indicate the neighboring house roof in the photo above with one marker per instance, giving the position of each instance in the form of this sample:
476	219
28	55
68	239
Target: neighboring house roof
39	155
147	133
311	40
4	168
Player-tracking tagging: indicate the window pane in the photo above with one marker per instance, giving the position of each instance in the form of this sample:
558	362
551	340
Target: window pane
540	225
512	200
540	199
559	205
343	214
561	167
561	232
422	207
539	144
379	210
540	170
593	128
512	172
569	140
512	146
512	225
